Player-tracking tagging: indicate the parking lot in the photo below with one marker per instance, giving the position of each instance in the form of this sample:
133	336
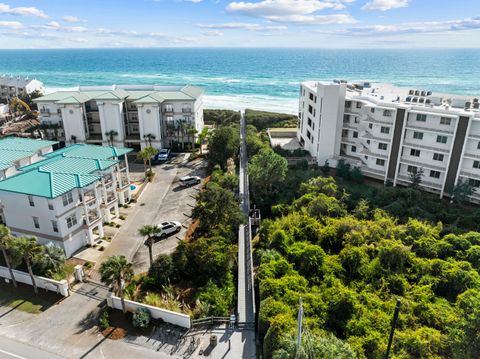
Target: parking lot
176	205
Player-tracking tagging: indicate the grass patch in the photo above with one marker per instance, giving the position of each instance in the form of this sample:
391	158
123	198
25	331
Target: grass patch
24	298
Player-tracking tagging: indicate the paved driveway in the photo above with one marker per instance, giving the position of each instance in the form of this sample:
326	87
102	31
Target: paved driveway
176	205
65	330
161	200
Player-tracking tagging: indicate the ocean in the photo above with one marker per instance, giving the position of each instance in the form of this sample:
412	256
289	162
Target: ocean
265	79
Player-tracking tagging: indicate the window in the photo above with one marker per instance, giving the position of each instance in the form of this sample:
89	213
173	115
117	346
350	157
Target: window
382	146
412	169
359	105
445	120
434	174
310	109
354	148
421	117
380	162
385	129
50	206
308	134
30	201
355	134
415	153
309	122
346	118
442	139
474	182
370	125
372	110
476	164
418	135
67	198
387	113
478	146
348	104
310	96
36	224
438	157
55	226
344	133
71	220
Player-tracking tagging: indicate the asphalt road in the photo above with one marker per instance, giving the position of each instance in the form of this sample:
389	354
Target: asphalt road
11	349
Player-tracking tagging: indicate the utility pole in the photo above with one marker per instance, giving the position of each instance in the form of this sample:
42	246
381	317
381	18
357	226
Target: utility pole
392	330
299	326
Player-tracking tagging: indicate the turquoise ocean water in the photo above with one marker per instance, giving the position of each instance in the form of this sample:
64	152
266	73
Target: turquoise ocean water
256	78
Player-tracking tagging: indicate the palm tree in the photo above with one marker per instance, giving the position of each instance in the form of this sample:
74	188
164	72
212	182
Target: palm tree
150	232
202	137
117	271
146	155
192	131
30	251
54	258
149	137
5	243
111	134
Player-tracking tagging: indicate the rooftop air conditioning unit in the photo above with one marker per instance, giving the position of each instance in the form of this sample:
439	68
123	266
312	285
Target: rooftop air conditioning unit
475	100
468	104
476	105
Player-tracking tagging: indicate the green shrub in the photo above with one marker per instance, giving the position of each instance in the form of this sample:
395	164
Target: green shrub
141	318
104	319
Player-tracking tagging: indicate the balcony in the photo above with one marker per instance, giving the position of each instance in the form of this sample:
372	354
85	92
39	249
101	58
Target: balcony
407	180
109	199
168	110
423	164
123	182
90	218
411	126
186	110
368	118
430	148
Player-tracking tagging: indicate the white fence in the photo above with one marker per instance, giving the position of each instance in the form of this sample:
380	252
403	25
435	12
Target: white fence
60	287
182	320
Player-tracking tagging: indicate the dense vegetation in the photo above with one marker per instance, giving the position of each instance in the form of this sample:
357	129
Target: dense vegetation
261	120
350	264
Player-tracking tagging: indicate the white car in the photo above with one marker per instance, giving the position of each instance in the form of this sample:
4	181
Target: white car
190	180
167	228
163	154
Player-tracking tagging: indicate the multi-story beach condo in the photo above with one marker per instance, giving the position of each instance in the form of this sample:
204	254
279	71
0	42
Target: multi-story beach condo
130	115
61	197
12	86
390	132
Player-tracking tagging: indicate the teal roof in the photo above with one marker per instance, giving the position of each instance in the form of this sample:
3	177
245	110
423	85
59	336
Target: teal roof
154	95
24	144
92	152
46	184
13	149
63	170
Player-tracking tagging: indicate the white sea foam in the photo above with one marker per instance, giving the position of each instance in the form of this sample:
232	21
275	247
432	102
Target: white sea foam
263	103
234	102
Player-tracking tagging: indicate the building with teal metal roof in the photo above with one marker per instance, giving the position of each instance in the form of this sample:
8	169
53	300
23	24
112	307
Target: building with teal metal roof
132	113
63	197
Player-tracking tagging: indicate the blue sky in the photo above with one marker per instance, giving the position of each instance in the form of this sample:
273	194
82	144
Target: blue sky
243	23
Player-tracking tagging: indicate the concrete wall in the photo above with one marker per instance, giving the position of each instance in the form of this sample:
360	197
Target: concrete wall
179	319
60	287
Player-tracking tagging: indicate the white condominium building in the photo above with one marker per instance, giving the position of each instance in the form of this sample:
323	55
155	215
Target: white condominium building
61	197
12	86
129	115
390	132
